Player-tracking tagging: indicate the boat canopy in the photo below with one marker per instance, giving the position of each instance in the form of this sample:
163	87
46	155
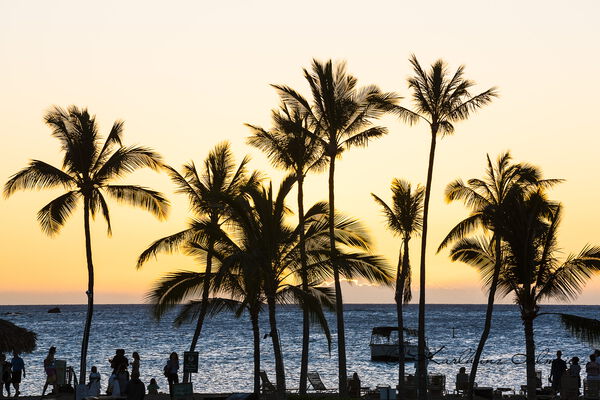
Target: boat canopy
387	330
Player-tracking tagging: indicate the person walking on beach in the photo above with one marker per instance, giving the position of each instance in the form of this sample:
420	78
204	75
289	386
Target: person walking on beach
50	370
558	367
135	389
18	372
171	371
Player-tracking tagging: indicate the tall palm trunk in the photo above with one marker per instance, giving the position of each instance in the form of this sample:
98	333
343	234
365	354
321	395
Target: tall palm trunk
399	297
204	304
304	274
339	303
488	319
90	291
279	368
422	373
256	339
530	354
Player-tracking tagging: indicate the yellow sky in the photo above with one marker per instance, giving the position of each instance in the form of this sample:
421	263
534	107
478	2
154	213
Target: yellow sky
187	75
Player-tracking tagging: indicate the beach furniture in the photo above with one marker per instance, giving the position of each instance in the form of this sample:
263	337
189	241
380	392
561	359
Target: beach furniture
483	393
569	387
266	386
436	386
315	381
410	388
386	392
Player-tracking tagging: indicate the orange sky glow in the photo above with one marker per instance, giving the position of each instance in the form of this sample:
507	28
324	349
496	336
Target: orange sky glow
185	76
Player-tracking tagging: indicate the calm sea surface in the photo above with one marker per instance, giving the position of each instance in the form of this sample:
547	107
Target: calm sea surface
226	343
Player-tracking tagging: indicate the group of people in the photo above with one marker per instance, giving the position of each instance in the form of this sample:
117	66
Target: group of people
11	372
120	383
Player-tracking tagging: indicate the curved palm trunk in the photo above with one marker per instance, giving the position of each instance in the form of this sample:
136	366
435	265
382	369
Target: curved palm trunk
256	340
530	355
488	320
421	366
90	292
304	276
279	368
204	304
339	303
399	297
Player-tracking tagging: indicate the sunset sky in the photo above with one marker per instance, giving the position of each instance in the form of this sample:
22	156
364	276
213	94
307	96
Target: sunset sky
187	75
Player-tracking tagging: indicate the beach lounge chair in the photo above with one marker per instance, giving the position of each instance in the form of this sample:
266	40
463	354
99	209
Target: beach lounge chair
317	383
266	386
410	388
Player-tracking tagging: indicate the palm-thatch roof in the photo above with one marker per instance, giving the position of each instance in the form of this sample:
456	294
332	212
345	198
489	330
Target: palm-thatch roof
15	338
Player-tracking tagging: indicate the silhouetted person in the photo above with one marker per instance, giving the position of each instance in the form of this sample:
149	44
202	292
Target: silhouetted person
135	364
575	370
50	370
119	364
559	366
171	371
6	374
135	388
462	380
153	387
94	383
354	386
18	371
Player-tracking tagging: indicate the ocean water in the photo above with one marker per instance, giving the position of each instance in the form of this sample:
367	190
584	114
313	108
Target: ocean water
226	343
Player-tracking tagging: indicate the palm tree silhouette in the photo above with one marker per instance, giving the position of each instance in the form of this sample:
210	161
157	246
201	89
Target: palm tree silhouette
486	197
440	99
404	218
220	177
291	145
532	270
260	243
87	170
343	115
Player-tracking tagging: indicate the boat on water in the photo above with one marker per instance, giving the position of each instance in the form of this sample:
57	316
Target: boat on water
385	344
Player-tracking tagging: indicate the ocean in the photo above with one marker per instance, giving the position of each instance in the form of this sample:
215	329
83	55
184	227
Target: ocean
225	346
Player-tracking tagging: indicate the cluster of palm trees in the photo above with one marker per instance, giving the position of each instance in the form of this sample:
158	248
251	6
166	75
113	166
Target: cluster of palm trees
511	237
251	257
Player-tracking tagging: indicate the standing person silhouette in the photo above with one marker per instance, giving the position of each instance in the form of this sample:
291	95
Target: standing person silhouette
171	371
50	370
558	368
18	371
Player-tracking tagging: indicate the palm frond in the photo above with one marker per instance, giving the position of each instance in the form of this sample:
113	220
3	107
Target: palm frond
54	214
585	329
190	311
142	197
38	175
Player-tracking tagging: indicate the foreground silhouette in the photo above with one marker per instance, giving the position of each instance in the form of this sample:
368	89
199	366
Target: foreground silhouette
88	167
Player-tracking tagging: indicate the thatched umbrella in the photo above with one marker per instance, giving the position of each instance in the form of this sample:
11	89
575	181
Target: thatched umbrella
15	338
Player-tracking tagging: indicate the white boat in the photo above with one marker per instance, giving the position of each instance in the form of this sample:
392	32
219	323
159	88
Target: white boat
384	344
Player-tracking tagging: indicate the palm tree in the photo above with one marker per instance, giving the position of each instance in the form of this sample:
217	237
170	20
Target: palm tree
404	218
219	178
292	146
87	170
343	116
440	99
486	197
531	268
270	248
